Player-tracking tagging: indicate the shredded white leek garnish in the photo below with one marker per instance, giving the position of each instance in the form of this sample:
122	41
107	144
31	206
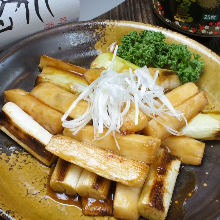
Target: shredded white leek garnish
111	95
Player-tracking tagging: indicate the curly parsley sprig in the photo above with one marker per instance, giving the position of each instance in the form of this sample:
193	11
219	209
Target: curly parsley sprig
149	48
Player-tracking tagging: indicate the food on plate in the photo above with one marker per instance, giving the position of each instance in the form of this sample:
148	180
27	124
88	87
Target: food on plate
58	98
94	207
133	146
189	150
46	61
203	126
150	48
93	186
158	189
190	108
47	117
126	202
99	161
65	177
62	78
166	78
120	132
26	132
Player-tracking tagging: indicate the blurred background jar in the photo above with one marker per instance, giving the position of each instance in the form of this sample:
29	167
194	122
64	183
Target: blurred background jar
20	18
194	17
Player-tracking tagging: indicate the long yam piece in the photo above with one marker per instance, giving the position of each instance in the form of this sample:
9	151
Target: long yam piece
125	204
99	161
189	150
93	186
46	61
62	78
65	177
129	125
47	117
26	132
180	94
59	99
132	146
158	189
94	207
189	108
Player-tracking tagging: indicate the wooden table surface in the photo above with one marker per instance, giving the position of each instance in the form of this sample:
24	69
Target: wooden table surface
141	11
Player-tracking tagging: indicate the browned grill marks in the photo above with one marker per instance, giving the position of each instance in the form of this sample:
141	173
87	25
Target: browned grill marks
28	140
166	159
64	165
98	182
156	195
157	191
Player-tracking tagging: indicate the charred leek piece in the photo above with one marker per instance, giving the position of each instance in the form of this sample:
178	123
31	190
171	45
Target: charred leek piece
46	61
166	78
126	202
65	177
26	132
190	108
93	186
99	161
132	146
47	117
203	126
64	79
94	207
59	99
158	189
189	150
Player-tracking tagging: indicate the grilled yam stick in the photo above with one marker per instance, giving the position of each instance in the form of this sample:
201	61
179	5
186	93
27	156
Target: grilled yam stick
129	125
166	78
94	207
125	204
64	79
61	100
189	150
180	94
46	61
158	189
93	186
203	126
189	108
47	117
99	161
65	177
132	146
58	98
26	132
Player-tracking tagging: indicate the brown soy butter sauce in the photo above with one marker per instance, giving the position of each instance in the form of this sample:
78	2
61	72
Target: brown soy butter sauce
185	187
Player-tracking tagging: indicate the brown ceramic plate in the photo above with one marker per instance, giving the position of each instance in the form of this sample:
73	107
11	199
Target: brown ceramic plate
23	180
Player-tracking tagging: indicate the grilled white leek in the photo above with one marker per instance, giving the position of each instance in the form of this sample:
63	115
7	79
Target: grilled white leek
64	79
26	132
203	126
